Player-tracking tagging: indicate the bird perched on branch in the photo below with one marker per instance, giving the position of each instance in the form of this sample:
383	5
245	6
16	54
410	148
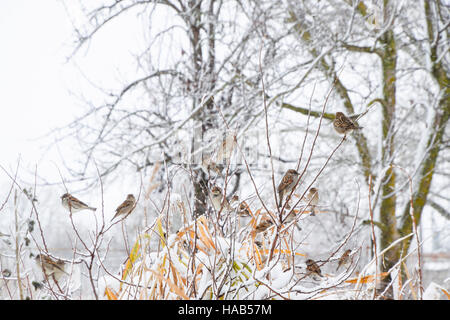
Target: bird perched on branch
244	210
218	200
312	197
263	225
343	125
50	266
345	259
241	207
313	268
126	207
287	185
73	204
292	216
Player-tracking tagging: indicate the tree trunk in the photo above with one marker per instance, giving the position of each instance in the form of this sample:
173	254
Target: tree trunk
204	82
435	138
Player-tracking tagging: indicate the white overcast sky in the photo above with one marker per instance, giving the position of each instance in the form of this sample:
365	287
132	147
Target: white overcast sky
39	88
33	94
36	81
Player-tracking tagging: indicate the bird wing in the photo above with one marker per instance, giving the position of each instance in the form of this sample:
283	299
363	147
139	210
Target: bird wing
72	200
346	122
58	264
285	182
126	204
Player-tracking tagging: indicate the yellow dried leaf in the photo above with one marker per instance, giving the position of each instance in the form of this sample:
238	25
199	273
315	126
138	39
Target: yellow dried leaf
446	293
178	291
161	232
368	278
204	234
285	252
257	257
134	254
110	294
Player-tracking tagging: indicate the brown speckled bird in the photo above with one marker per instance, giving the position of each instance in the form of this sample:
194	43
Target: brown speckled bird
312	198
286	185
345	258
217	199
313	268
244	210
73	204
126	207
263	225
241	207
343	125
50	266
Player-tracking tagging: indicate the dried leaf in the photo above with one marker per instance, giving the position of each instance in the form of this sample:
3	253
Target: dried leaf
368	278
110	294
134	254
446	293
178	291
204	233
161	232
285	252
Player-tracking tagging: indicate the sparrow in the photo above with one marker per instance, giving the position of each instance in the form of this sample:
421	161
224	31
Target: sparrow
125	208
287	184
312	197
263	225
217	199
292	216
73	204
241	207
343	125
209	165
234	201
313	268
50	266
244	210
345	258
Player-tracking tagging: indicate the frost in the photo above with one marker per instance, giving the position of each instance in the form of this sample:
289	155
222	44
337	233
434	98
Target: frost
433	292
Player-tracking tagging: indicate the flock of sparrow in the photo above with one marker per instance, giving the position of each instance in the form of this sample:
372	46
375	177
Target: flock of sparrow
55	267
342	124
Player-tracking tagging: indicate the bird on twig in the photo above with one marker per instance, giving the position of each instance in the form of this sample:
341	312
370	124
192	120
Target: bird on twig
73	204
343	125
126	207
344	259
286	185
313	199
263	225
313	268
50	266
218	200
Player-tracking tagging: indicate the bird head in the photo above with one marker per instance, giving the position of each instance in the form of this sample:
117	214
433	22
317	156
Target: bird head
216	191
309	262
